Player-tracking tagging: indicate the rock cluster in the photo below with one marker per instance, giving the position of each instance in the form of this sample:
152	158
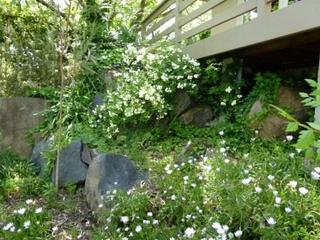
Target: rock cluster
100	172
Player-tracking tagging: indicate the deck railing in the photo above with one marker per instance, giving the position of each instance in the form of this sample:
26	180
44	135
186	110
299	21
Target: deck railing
186	21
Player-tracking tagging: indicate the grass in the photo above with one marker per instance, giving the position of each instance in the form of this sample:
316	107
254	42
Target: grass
198	195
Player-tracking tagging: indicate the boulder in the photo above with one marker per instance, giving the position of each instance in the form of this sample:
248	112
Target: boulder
97	101
182	101
72	168
38	158
256	108
107	173
198	116
273	125
17	117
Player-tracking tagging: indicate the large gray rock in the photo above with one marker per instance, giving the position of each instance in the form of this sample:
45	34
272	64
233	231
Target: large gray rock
182	102
72	168
106	173
38	156
198	116
17	117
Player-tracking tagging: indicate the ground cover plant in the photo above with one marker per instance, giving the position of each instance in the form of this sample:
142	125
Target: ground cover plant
215	183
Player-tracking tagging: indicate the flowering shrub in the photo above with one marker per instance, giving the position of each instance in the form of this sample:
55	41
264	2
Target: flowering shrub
144	89
221	87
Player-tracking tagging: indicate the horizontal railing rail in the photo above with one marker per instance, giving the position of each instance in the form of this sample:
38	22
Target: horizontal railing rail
180	20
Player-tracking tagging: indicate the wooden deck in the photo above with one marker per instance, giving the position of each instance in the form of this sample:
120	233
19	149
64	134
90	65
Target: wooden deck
215	27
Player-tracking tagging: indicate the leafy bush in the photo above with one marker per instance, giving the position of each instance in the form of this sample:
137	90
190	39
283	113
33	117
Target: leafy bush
309	136
145	87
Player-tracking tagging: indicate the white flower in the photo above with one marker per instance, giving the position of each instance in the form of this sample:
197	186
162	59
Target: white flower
223	103
124	219
270	177
247	181
238	234
291	155
186	178
317	169
189	232
288	210
278	200
138	228
271	221
173	197
234	102
293	184
26	224
149	214
258	189
29	201
315	174
223	150
289	138
216	225
155	222
21	211
38	210
54	229
228	89
221	133
303	191
8	226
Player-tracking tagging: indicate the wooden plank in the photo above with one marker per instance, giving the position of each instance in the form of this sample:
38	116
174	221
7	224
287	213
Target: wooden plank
156	12
264	7
167	17
185	4
196	13
222	17
288	21
162	34
317	110
177	29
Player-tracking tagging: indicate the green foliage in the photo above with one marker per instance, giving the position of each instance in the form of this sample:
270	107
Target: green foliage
219	85
17	176
308	139
27	48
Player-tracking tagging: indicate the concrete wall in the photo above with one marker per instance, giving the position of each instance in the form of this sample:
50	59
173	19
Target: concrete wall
17	117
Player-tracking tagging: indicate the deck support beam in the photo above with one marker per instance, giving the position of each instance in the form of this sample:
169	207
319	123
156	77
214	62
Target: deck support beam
317	110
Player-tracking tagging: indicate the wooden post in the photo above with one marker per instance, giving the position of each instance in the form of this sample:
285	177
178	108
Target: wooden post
264	7
317	111
177	30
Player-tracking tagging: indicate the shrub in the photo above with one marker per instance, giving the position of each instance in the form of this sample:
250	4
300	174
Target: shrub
145	87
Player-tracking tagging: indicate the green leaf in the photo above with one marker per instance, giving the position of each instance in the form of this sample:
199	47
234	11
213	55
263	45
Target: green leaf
314	125
292	127
310	153
304	95
306	139
312	83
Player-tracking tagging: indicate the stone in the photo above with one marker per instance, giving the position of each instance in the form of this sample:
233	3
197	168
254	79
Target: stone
97	101
289	98
72	169
182	101
17	117
38	158
107	173
256	108
198	116
273	126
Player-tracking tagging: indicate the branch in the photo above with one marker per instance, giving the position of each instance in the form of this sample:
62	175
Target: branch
52	8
